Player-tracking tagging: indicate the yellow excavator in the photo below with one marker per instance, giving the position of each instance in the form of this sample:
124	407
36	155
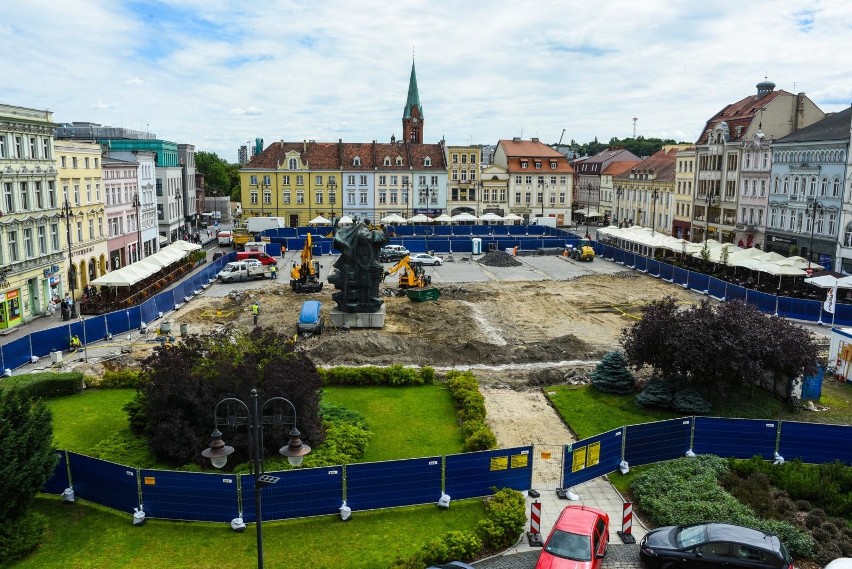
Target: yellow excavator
305	276
583	251
414	280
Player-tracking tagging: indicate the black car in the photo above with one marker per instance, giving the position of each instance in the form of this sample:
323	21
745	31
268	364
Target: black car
712	545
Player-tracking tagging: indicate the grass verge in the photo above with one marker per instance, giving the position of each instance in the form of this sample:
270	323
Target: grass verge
82	421
87	536
405	422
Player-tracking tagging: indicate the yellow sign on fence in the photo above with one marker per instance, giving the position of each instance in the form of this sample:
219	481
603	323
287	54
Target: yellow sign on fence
579	459
499	462
520	461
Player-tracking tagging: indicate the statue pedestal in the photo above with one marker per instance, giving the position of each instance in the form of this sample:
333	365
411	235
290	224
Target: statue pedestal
358	319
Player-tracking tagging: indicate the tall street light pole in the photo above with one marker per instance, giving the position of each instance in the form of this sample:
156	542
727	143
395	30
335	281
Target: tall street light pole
218	452
813	206
541	194
332	197
710	199
68	213
654	195
136	204
405	194
618	193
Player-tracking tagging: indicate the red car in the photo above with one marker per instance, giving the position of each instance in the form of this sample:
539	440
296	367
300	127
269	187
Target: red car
578	540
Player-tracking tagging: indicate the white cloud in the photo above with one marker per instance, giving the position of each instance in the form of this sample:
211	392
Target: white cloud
485	71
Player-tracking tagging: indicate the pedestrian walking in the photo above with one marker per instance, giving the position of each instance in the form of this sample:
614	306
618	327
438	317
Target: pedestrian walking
255	310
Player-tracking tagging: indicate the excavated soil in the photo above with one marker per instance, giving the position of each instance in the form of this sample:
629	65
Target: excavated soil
516	336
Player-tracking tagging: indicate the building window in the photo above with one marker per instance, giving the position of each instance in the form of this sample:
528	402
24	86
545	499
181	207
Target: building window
8	200
300	198
285	197
28	239
387	161
356	161
537	165
350	180
13	246
253	198
42	241
91	229
363	198
285	180
427	161
518	198
54	236
3	146
25	201
292	164
362	180
350	198
383	198
383	180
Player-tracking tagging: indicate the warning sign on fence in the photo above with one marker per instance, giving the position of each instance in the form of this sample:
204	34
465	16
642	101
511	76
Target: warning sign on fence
499	463
519	461
579	456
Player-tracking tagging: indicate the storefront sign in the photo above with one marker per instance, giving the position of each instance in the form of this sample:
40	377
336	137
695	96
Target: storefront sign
50	271
84	251
12	294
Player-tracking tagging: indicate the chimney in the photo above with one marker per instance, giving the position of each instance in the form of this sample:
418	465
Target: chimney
535	139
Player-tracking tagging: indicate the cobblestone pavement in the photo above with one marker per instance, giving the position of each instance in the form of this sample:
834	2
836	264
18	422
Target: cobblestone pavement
618	556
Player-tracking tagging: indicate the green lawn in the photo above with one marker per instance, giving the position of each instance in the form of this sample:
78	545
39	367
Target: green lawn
87	536
589	412
81	421
405	422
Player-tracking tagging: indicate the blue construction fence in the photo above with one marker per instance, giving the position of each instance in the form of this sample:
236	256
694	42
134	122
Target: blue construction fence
196	496
796	308
813	443
39	344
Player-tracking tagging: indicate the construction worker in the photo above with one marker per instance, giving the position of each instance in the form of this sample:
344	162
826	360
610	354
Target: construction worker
255	310
273	271
76	344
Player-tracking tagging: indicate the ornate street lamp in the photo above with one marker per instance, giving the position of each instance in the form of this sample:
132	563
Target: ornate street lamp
332	197
405	194
541	193
654	211
618	193
813	206
218	452
68	213
136	204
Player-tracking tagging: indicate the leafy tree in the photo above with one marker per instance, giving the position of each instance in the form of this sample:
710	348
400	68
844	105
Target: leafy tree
640	146
219	175
712	349
182	383
27	460
612	376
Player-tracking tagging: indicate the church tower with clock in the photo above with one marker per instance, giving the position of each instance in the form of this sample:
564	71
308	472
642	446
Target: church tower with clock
412	115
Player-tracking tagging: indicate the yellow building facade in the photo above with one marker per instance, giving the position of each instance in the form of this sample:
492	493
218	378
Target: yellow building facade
81	195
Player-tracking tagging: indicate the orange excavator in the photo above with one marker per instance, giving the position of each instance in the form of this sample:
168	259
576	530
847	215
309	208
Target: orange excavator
305	277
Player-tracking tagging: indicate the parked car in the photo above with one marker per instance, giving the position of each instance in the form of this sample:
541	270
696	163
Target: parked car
425	259
578	540
392	253
264	258
310	318
712	545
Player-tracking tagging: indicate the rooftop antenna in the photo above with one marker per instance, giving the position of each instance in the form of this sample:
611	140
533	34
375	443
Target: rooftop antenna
634	126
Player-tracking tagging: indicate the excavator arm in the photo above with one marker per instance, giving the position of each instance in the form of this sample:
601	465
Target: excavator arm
401	264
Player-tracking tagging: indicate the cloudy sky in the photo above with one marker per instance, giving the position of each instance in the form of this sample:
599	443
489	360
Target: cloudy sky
217	73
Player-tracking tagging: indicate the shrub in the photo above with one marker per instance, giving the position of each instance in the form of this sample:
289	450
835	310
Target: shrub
19	537
690	401
119	379
45	384
505	516
612	376
803	505
471	411
656	394
814	518
395	375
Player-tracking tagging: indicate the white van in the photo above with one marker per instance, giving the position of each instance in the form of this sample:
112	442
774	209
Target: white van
226	238
243	271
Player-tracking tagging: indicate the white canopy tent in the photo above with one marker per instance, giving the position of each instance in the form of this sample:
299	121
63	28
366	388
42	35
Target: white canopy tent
345	220
181	245
419	218
443	218
490	217
512	217
592	214
464	217
319	220
165	257
393	218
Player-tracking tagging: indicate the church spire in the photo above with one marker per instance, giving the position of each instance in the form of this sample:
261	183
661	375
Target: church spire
412	115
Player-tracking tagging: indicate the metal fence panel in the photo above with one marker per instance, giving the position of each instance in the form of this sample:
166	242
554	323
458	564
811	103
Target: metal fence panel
475	473
735	438
629	259
148	310
699	281
58	481
762	301
680	276
50	340
618	256
843	314
735	292
658	441
95	329
592	457
197	496
124	320
718	288
165	301
106	483
393	483
17	352
815	443
299	493
641	263
667	272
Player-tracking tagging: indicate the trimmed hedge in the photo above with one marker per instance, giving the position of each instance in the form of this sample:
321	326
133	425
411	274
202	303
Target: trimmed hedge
471	411
44	385
505	517
395	375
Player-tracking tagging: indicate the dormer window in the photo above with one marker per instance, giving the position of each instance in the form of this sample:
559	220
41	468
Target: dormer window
387	161
538	165
427	161
399	160
292	164
553	164
356	161
524	164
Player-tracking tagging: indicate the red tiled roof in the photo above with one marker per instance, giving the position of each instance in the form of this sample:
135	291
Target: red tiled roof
617	168
528	148
341	155
661	163
741	113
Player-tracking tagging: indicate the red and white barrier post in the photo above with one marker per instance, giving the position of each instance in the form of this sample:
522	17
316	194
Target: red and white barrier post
627	518
534	535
